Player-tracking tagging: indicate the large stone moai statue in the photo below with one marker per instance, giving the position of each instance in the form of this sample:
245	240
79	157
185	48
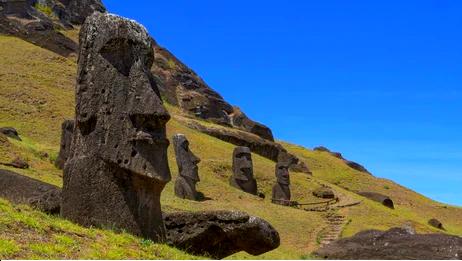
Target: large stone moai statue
242	177
118	164
185	185
281	190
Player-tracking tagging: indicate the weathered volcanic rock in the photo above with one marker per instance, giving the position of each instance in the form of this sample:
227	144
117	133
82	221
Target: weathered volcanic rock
384	200
394	244
67	131
17	163
24	190
48	202
324	192
436	224
258	145
185	185
118	164
79	10
338	155
183	87
10	132
242	177
220	234
39	30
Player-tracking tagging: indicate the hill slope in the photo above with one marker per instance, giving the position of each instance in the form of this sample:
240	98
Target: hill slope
37	94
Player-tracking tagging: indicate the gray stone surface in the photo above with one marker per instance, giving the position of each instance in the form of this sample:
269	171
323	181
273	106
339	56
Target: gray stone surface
20	189
221	233
118	164
394	244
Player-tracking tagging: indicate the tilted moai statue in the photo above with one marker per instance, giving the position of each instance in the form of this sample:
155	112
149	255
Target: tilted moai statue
281	190
118	164
242	177
185	185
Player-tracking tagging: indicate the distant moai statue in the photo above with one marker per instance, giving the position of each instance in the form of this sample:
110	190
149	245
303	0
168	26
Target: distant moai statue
185	185
281	190
242	177
67	131
118	164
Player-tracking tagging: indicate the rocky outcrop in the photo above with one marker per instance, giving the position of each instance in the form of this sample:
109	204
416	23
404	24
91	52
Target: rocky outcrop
183	87
29	22
220	234
258	145
118	163
338	155
394	244
20	189
76	11
67	130
39	30
10	132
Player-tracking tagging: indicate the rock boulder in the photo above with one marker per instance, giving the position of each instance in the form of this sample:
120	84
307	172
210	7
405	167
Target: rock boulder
10	132
394	244
220	234
20	189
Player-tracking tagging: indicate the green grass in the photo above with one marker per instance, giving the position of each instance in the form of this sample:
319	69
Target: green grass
37	94
29	234
45	9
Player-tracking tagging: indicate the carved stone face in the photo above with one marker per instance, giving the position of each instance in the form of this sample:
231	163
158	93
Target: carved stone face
242	164
120	115
282	174
186	160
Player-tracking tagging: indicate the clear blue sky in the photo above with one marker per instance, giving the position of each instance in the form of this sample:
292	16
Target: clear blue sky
379	81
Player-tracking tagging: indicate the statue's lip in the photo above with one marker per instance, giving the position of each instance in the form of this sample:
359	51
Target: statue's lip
151	138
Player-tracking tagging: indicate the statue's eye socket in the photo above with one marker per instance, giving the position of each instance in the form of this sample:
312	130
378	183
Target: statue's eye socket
120	53
185	146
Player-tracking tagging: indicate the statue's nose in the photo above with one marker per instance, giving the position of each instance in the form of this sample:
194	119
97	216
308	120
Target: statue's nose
196	159
144	96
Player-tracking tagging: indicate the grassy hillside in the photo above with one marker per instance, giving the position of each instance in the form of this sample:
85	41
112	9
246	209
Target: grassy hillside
36	95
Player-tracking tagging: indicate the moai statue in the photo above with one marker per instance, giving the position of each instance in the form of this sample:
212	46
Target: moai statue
281	190
118	164
185	185
67	130
242	177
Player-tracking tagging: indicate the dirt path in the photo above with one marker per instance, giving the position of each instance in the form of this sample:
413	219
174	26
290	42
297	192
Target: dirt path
333	231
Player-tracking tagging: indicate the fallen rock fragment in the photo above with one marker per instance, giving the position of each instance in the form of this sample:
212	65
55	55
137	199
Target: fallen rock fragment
394	244
436	224
20	189
220	234
324	192
10	132
384	200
